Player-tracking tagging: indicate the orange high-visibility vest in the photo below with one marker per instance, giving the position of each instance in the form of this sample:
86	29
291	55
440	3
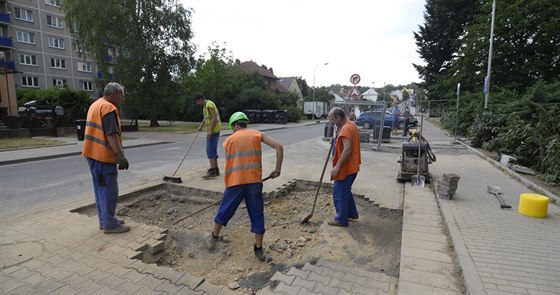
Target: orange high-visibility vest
352	164
96	145
243	158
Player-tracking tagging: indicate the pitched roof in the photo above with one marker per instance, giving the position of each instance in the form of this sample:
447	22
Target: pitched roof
287	81
249	67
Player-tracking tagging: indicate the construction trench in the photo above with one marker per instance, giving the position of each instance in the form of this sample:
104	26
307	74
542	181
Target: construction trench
371	243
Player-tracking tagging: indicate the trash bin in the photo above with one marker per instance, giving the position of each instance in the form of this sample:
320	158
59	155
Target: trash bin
80	128
386	133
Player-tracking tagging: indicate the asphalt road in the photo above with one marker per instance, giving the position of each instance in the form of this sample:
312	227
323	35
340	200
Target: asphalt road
45	184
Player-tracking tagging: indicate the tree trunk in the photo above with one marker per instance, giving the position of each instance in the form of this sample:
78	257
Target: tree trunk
154	121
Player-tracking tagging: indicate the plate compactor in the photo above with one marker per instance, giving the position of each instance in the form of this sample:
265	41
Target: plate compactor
413	163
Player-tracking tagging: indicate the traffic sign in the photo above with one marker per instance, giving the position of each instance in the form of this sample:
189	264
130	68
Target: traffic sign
355	79
355	92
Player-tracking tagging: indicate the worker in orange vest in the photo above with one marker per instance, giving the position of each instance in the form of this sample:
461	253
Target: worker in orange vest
243	179
103	151
346	164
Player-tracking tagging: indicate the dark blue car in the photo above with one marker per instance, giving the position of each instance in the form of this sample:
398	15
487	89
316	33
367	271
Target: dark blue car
370	119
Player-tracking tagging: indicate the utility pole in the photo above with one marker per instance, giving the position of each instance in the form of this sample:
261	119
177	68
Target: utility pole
487	79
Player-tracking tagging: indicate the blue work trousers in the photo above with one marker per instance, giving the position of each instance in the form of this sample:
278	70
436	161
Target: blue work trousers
106	188
252	194
343	199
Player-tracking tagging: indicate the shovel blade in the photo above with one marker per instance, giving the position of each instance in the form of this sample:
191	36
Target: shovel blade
494	189
418	180
306	219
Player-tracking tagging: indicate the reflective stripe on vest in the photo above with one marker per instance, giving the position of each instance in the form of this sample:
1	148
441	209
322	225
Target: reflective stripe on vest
243	158
96	145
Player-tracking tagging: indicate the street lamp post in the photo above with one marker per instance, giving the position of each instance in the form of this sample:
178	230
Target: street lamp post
488	70
314	105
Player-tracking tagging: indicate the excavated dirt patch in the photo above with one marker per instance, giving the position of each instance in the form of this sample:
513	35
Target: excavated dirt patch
371	243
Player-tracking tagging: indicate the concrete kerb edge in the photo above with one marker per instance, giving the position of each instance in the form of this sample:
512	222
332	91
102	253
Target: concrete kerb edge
472	280
24	160
523	180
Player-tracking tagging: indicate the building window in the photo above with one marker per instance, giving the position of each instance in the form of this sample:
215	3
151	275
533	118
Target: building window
25	37
58	63
86	85
84	67
53	2
58	82
29	81
27	59
24	14
54	21
56	42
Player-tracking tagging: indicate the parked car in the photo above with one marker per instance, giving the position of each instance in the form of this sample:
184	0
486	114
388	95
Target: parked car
40	113
370	119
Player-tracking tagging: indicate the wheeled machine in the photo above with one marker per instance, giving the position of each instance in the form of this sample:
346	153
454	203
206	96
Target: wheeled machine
414	160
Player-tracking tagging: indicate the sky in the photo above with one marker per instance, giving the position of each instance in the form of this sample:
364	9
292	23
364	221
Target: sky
371	38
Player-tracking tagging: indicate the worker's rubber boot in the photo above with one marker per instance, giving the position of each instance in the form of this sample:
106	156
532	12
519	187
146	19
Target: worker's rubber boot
259	252
212	172
211	241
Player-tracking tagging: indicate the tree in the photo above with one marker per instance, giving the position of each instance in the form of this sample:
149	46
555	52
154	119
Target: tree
526	46
440	38
151	44
218	78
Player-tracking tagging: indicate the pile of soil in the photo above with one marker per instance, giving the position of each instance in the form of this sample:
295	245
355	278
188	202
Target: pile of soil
371	243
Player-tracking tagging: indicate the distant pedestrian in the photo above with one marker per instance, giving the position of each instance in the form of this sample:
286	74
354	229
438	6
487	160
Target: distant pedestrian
243	179
346	164
406	115
395	112
213	127
103	151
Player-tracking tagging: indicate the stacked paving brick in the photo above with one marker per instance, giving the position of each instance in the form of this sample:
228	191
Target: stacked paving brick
447	186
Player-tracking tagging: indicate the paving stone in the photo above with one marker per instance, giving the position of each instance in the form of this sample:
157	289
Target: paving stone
172	275
325	289
298	273
190	281
106	291
129	287
426	254
280	277
170	288
112	281
410	288
65	290
304	284
133	275
318	278
151	282
287	289
429	279
10	285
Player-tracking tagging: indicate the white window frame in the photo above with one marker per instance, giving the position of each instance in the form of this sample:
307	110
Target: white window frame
84	67
55	42
24	14
54	21
86	85
25	37
59	82
58	63
27	59
55	3
29	81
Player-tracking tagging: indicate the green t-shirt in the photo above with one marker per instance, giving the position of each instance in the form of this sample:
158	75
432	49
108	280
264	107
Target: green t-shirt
208	119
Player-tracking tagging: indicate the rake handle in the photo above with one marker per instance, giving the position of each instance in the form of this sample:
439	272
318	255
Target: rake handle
188	150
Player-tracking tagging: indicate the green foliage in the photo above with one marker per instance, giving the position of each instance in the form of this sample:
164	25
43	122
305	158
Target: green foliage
74	102
152	42
294	113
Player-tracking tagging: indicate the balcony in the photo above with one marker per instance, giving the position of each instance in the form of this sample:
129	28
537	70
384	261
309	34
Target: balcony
6	42
4	17
7	65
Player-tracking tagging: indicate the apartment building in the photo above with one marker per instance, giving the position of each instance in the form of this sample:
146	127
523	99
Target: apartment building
36	47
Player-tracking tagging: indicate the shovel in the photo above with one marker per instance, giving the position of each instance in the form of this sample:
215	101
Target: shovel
494	189
178	179
306	219
419	180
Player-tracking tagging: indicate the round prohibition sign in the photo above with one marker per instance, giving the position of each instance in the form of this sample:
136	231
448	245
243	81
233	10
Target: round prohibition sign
355	79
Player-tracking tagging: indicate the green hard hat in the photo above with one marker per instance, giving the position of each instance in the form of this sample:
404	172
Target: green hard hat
237	116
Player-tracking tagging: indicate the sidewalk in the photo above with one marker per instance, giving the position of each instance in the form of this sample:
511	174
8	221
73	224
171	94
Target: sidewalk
497	251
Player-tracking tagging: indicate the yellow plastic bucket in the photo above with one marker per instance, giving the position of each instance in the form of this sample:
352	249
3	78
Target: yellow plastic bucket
533	205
